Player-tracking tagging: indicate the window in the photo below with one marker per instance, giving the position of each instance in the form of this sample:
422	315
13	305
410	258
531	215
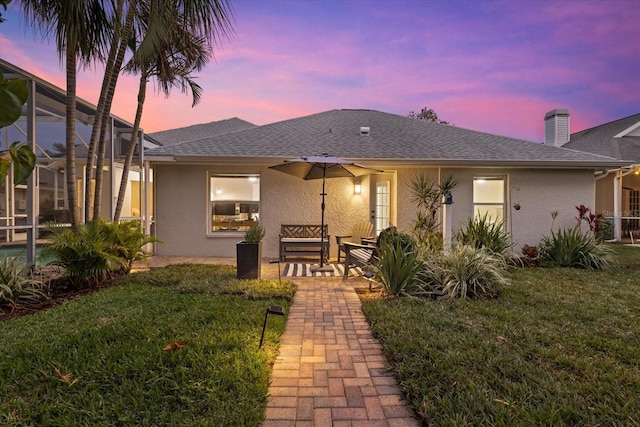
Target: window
383	205
489	198
234	202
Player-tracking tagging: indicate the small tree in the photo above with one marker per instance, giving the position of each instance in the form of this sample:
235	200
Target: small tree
428	115
428	196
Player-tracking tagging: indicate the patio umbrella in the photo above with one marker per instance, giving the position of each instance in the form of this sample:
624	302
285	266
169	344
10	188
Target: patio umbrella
322	167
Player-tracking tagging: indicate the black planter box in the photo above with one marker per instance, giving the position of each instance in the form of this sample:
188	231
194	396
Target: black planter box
248	256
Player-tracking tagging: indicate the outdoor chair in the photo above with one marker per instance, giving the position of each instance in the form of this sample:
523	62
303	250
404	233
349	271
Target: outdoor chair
364	254
361	230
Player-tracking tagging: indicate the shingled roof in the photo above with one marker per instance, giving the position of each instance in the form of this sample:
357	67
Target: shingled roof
391	138
205	130
610	139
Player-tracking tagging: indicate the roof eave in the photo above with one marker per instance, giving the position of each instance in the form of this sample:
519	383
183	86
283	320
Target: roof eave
549	164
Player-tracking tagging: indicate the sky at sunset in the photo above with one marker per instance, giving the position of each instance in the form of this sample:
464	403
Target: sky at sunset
491	66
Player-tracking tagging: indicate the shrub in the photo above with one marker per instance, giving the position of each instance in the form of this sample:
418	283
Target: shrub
397	268
15	285
127	241
96	250
392	236
483	232
531	255
465	272
572	248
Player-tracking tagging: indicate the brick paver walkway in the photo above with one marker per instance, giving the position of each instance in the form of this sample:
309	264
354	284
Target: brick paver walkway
330	370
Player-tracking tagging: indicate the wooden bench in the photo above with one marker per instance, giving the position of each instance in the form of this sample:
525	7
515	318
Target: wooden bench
303	240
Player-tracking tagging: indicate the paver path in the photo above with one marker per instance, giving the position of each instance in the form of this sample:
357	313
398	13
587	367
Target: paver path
330	371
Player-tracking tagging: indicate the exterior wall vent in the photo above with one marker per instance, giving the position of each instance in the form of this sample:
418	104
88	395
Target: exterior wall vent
364	130
557	130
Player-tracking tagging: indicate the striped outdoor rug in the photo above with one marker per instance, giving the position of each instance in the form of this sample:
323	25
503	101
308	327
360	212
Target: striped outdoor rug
304	270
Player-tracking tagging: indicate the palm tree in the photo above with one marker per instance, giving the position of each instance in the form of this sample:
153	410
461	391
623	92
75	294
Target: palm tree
209	18
80	28
181	54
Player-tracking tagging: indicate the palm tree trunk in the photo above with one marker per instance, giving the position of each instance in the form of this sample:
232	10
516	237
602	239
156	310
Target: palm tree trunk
142	92
70	134
97	121
115	72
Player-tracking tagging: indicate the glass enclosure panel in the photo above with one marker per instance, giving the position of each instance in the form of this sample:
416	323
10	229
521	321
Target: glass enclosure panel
51	197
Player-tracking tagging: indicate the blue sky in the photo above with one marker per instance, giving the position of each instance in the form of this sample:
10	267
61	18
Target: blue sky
492	66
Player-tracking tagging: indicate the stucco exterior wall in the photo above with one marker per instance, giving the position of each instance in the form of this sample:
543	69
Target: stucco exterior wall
540	192
182	214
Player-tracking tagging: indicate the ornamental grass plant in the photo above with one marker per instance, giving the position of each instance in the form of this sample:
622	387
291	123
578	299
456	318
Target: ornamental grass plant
464	272
16	284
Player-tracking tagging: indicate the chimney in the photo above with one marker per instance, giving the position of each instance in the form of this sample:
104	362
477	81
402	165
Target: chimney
556	127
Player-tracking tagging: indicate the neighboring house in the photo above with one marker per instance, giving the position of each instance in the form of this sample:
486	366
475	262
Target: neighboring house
618	189
208	190
206	130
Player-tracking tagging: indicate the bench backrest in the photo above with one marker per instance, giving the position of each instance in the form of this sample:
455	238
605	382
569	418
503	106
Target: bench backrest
297	230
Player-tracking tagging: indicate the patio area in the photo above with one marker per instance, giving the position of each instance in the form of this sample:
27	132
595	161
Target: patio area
330	370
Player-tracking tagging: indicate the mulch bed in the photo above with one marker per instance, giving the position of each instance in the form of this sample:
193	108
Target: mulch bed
58	292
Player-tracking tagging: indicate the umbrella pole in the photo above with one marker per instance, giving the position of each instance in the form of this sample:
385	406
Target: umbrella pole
322	234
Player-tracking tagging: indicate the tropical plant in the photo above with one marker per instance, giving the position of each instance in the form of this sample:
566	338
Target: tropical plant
80	29
13	95
84	253
95	250
464	272
573	248
89	30
428	197
254	234
155	22
16	286
397	269
484	232
127	241
177	57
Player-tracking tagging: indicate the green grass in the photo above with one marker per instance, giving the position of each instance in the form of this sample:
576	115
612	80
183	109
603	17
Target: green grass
558	347
109	345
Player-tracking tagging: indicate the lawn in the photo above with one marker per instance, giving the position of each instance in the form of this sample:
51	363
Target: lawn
108	359
558	347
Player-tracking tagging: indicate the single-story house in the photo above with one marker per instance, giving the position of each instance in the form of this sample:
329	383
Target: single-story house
207	190
618	189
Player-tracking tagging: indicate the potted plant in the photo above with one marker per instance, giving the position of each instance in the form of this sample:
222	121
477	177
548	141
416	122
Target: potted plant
249	253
